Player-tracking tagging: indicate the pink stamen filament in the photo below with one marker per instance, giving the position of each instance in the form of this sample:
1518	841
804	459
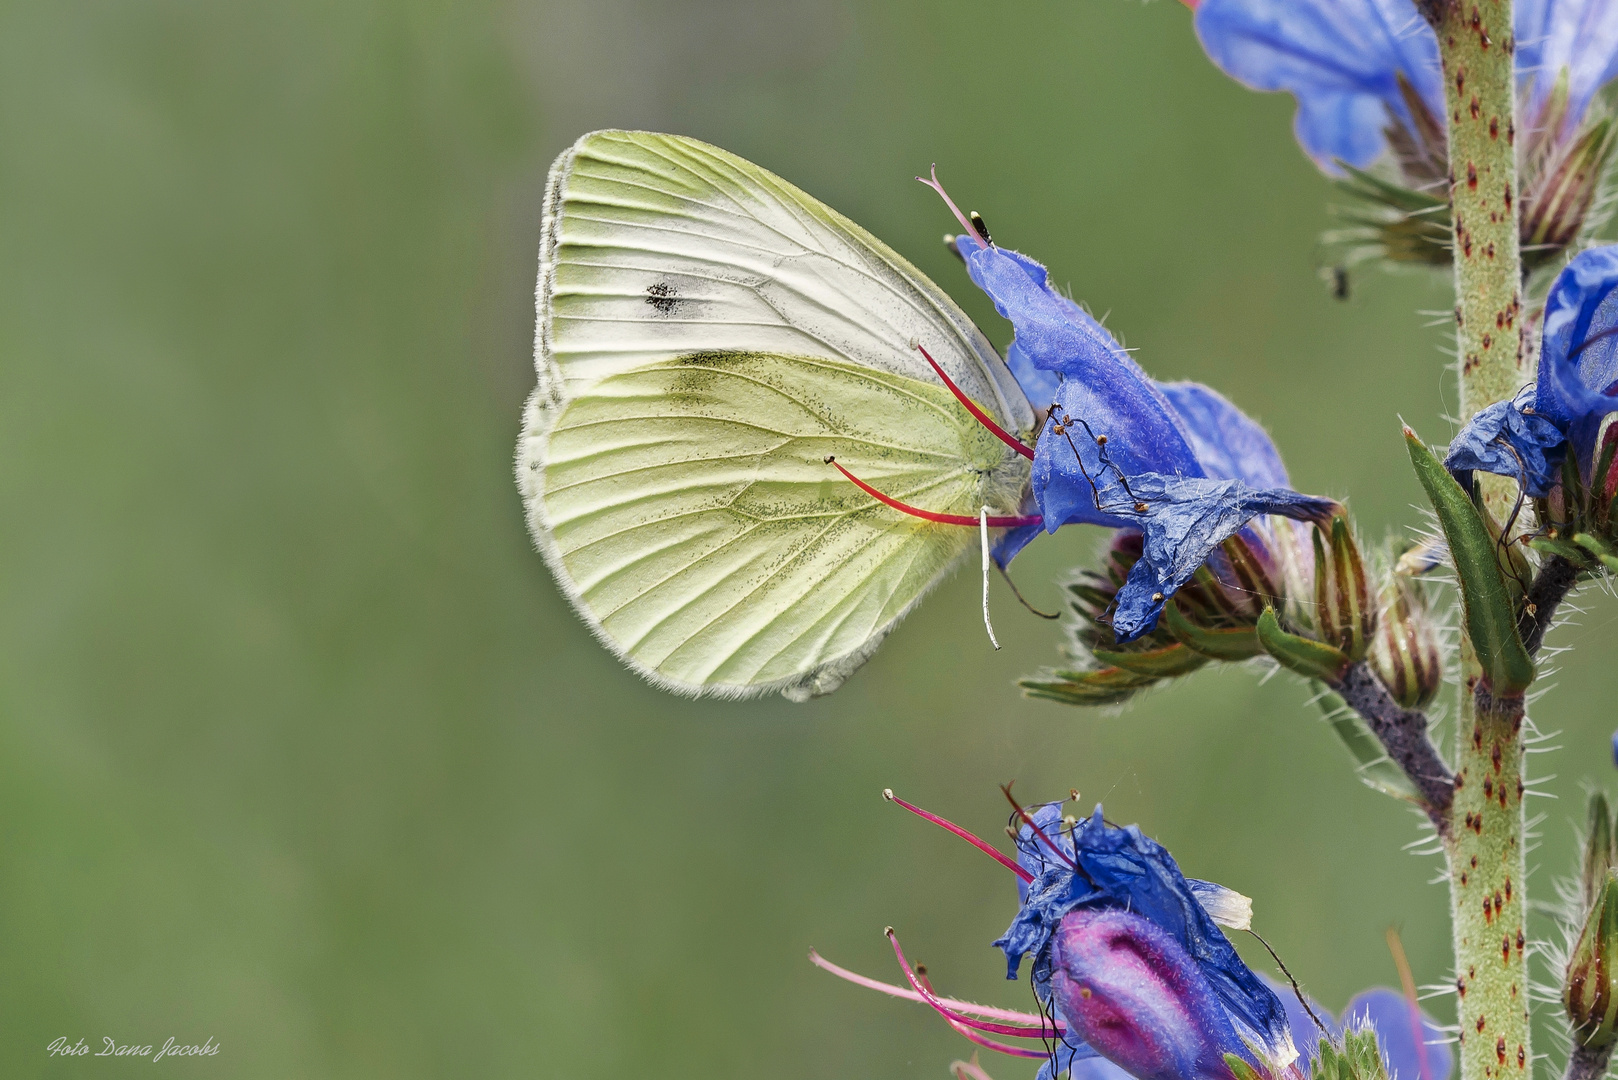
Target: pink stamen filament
981	417
960	1023
971	230
1036	830
1009	522
982	845
1037	1027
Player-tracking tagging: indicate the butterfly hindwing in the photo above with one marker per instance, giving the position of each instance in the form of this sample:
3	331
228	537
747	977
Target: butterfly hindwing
708	336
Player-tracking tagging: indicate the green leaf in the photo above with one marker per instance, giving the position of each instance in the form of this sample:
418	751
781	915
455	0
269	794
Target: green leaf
1311	659
1491	618
1374	766
1164	663
1238	643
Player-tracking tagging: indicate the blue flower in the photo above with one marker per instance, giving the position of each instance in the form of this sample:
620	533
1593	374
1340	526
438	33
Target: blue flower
1084	868
1344	61
1341	60
1128	964
1577	385
1176	461
1387	1011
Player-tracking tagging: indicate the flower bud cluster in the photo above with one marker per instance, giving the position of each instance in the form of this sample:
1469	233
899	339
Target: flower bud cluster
1590	983
1405	654
1211	618
1579	523
1563	163
1256	595
1345	607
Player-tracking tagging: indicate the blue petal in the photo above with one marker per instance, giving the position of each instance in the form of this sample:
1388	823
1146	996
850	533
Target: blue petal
1039	387
1093	1068
1011	542
1228	443
1090	1065
1578	359
1339	58
1101	384
1121	867
1389	1012
1184	520
1578	35
1504	440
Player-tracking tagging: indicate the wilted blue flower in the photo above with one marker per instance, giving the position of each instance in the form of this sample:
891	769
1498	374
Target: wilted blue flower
1577	385
1119	449
1408	1056
1413	1045
1344	62
1090	866
1128	965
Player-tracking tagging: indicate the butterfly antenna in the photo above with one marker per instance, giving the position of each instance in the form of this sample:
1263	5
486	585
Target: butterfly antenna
970	226
1012	521
977	413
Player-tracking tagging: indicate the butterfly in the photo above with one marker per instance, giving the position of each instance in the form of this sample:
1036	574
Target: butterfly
757	430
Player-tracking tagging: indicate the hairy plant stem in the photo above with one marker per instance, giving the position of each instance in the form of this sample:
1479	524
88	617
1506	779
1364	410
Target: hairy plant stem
1403	735
1587	1063
1555	579
1485	851
1484	845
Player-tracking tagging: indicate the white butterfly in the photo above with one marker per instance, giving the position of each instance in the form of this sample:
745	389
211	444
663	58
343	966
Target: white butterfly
708	337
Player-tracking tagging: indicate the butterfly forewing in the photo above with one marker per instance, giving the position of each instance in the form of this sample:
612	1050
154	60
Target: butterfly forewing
708	336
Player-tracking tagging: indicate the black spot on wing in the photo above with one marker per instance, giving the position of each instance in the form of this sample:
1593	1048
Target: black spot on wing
663	297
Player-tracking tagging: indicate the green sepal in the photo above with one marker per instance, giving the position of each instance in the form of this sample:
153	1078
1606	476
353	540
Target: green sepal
1590	983
1602	551
1598	549
1491	618
1375	768
1107	686
1345	614
1240	1068
1164	663
1599	854
1356	1059
1549	545
1309	658
1236	643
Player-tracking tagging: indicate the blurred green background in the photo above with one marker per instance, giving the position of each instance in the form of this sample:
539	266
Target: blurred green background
301	749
